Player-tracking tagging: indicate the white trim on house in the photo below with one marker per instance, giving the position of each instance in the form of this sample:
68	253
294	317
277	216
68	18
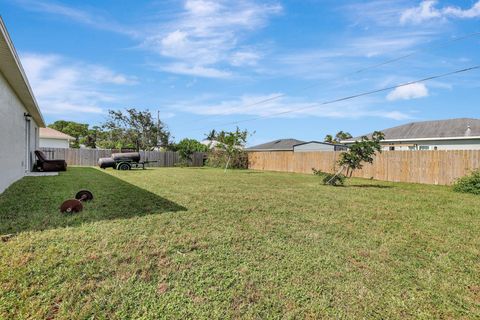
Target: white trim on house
422	139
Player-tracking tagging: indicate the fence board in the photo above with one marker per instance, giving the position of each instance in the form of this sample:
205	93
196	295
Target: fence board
441	167
89	157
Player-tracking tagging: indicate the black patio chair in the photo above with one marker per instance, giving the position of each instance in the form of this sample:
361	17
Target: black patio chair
43	164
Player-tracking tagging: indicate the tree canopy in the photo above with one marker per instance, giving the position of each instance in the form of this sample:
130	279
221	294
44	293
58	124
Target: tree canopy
130	129
187	147
74	129
230	142
135	129
338	137
361	151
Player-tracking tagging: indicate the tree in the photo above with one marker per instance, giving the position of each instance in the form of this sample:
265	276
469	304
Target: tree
187	147
360	152
93	135
329	139
231	143
211	135
136	129
338	137
342	136
74	129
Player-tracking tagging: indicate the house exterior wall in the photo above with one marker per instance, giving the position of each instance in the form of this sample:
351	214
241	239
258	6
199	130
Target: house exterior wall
467	144
15	160
53	143
312	147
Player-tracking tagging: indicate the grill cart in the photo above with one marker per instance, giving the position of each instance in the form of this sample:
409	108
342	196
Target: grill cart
123	161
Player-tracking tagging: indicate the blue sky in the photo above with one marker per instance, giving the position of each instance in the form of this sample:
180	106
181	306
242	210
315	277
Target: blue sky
202	63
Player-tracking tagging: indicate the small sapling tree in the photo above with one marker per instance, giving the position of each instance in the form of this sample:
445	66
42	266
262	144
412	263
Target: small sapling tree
360	152
231	143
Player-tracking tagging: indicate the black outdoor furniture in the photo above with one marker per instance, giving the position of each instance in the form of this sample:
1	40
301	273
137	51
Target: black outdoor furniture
43	164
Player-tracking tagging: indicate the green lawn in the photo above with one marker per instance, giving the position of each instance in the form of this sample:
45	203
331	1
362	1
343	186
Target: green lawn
198	243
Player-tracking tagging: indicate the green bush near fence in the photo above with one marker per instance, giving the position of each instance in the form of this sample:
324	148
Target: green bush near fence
469	184
219	158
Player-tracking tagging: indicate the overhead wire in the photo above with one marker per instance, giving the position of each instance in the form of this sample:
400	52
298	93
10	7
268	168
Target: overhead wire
373	66
316	105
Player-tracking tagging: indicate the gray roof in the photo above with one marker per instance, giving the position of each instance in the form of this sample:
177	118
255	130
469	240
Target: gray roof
451	128
276	145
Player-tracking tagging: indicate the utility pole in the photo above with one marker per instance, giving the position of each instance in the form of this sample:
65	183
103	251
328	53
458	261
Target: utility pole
158	130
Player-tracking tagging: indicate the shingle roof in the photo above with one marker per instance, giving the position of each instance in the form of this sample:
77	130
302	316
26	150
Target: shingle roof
276	145
50	133
451	128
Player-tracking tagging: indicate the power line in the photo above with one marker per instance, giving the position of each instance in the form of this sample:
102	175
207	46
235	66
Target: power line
373	66
351	96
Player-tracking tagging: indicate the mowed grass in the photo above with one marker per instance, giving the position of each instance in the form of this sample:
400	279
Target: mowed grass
198	243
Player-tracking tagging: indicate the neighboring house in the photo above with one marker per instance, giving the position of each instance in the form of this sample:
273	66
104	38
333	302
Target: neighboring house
313	146
451	134
211	144
276	145
51	138
20	116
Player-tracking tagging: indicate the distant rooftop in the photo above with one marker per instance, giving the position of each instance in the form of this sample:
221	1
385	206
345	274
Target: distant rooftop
49	133
450	128
276	145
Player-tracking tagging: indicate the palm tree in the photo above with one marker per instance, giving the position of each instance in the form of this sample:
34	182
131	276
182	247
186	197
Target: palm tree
212	135
342	136
328	138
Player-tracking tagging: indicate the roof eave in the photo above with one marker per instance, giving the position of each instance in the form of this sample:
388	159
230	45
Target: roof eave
423	139
267	150
16	76
58	138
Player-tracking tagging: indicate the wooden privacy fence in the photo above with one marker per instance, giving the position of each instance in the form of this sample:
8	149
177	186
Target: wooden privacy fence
430	167
89	157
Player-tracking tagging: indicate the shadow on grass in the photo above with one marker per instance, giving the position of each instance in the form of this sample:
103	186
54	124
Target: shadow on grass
32	203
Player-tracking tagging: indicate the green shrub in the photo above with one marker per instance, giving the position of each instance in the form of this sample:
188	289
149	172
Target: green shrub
218	159
330	178
468	184
187	147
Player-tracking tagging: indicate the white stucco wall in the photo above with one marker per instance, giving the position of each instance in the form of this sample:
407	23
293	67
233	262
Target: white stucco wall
13	164
467	144
53	143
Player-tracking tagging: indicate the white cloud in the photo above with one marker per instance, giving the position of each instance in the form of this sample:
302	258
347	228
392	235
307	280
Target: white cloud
412	91
205	38
473	12
427	10
194	70
378	45
244	58
202	7
78	15
62	86
339	62
292	108
394	115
